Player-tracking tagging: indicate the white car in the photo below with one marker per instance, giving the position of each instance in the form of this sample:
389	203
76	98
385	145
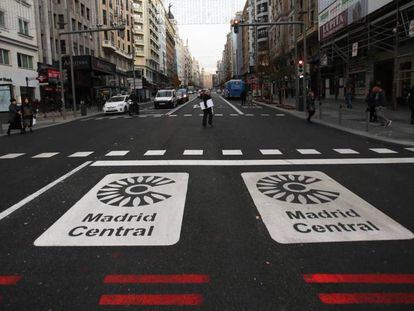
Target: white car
165	98
117	104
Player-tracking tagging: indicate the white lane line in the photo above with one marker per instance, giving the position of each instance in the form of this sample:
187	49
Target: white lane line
172	115
113	118
12	155
81	154
383	150
265	115
308	151
286	162
100	118
193	152
249	115
201	115
157	115
232	106
233	152
33	196
218	115
346	151
117	153
179	107
155	152
234	115
188	115
45	155
270	151
280	115
410	149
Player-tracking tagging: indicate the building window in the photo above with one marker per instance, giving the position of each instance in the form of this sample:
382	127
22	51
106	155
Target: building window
24	61
104	17
82	10
73	24
75	48
23	27
88	14
61	21
2	19
63	46
104	2
4	57
79	26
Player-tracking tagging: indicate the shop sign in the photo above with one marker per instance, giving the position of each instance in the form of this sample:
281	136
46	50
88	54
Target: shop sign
334	25
4	79
355	49
411	29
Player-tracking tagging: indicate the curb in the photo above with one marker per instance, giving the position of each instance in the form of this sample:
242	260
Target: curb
342	128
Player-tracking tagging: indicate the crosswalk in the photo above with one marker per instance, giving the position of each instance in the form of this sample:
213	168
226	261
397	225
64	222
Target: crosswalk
201	152
186	115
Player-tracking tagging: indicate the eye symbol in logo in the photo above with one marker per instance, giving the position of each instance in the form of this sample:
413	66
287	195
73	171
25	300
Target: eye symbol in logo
295	189
134	191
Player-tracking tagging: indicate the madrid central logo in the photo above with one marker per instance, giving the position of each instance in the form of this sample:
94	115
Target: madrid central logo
135	191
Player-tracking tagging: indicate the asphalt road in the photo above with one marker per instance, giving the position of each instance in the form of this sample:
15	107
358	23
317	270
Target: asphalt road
216	243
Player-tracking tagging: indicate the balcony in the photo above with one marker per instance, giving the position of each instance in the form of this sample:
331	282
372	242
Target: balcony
109	44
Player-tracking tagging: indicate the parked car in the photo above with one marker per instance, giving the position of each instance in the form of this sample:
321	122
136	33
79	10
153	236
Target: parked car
165	98
117	104
182	96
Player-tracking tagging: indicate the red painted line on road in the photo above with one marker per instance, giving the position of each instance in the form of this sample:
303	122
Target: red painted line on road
9	279
360	278
151	300
157	279
367	298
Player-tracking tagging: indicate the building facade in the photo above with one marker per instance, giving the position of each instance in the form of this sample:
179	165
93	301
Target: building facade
18	52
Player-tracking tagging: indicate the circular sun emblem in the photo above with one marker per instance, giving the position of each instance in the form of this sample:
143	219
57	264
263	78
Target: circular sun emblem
134	191
296	189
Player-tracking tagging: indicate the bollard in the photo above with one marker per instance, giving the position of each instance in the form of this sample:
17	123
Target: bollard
340	114
367	120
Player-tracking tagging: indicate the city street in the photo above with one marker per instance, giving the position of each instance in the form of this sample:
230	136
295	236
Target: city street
262	211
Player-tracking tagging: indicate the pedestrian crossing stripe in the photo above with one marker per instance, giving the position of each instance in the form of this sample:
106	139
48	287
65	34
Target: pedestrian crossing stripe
45	155
12	155
117	153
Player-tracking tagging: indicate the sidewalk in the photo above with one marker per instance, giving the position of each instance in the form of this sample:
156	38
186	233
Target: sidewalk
355	120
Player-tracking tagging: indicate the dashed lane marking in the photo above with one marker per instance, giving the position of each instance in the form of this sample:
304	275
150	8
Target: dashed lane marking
117	153
280	115
308	151
232	152
346	151
12	155
234	115
193	152
188	115
45	155
157	279
410	149
151	300
31	197
367	298
155	152
218	115
172	115
265	115
270	152
81	154
382	150
249	115
321	278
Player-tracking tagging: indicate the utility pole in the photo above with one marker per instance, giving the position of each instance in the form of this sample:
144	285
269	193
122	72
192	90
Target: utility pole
72	71
305	58
295	39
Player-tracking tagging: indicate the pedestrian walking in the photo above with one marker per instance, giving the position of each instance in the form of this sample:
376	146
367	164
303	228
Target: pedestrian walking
27	115
310	105
348	97
379	98
134	104
208	111
243	96
15	117
411	102
370	100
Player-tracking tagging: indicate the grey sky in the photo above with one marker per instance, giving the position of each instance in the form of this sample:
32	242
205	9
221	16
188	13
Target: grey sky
207	40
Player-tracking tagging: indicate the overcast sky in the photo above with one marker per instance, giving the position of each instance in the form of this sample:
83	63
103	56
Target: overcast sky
207	40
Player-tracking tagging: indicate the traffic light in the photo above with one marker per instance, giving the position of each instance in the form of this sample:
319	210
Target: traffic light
235	24
301	69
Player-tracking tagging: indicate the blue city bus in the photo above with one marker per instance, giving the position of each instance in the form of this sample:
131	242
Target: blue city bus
234	88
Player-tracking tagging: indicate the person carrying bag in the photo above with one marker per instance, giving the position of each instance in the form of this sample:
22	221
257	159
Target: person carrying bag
207	106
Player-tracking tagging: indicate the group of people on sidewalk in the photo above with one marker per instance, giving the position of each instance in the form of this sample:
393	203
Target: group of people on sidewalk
376	102
21	116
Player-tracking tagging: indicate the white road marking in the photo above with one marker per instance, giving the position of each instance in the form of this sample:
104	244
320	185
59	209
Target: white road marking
82	154
232	106
201	115
139	209
12	155
310	207
286	162
188	115
155	152
383	150
233	152
100	118
33	196
346	151
249	115
179	107
218	115
157	115
113	118
270	151
117	153
265	115
410	149
45	155
234	115
280	115
142	116
308	151
172	115
193	152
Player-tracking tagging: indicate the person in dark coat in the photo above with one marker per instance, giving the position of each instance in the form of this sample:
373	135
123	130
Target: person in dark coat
134	108
370	100
310	105
15	117
208	111
411	103
27	115
243	97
